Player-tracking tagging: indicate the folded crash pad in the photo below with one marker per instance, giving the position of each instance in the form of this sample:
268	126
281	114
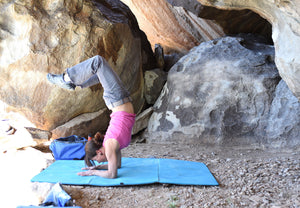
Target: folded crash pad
134	171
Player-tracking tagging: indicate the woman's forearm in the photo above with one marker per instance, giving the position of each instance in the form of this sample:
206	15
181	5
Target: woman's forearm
101	173
101	167
105	174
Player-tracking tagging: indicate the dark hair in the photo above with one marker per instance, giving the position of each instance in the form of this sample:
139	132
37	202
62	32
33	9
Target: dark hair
91	147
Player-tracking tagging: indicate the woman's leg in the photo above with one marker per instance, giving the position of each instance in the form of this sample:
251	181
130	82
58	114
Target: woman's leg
95	69
83	74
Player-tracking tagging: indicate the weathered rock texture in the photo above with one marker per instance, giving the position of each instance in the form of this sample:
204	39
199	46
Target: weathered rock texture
178	27
154	82
175	28
283	123
38	37
231	21
222	92
141	121
83	125
284	17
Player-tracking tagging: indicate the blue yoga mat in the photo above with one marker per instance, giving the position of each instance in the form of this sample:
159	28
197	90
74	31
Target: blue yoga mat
134	171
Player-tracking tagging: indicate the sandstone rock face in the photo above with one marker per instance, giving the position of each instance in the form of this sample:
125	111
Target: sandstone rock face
284	17
83	125
231	21
180	25
48	36
222	93
175	28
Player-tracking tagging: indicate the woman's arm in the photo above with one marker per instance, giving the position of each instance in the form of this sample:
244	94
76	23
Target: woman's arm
98	167
119	157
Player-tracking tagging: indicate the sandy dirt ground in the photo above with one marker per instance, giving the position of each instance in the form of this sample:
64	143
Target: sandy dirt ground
248	177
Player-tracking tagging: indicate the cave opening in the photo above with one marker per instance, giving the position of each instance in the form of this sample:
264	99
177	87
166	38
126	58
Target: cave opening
233	22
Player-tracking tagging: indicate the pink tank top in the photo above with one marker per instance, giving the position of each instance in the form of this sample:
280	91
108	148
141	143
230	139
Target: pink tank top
120	127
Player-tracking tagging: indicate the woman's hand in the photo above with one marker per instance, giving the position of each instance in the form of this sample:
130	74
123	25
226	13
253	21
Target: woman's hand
87	173
90	168
98	167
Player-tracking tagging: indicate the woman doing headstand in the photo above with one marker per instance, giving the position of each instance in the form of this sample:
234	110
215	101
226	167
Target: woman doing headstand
118	135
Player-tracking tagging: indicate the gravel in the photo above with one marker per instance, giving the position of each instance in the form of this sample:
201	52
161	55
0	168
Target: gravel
248	177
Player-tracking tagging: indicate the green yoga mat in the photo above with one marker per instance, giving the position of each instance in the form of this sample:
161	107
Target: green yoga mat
134	171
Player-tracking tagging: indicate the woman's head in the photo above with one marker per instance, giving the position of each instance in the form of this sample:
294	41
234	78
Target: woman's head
92	147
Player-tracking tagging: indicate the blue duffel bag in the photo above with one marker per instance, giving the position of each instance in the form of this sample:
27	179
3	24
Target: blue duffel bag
68	148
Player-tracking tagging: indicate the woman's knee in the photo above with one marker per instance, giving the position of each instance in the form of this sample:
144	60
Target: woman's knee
97	62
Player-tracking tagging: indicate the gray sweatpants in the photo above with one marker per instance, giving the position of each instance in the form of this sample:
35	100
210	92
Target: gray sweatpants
95	70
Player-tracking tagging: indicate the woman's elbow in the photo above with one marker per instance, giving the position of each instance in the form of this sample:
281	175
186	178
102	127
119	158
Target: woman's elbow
113	175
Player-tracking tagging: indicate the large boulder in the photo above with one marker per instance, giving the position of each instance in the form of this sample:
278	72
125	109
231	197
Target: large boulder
285	19
221	92
38	37
283	123
181	25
